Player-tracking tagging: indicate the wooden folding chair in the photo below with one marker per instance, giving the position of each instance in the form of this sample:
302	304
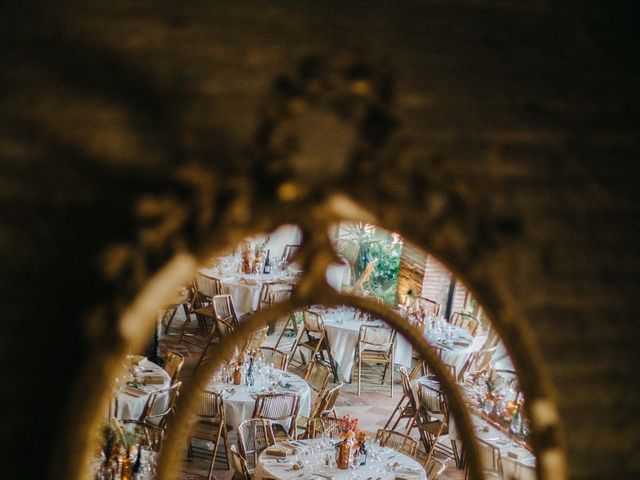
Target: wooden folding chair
254	436
278	407
375	345
317	342
239	463
406	407
397	441
173	365
160	405
210	425
278	358
289	252
465	321
317	376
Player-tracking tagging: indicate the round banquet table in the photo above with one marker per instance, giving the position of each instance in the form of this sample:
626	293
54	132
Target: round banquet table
132	399
388	465
244	288
240	400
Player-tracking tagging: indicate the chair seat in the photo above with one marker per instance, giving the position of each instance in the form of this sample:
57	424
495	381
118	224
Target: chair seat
375	356
205	429
407	411
204	311
312	343
434	427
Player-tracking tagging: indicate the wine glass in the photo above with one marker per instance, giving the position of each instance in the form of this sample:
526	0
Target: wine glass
488	405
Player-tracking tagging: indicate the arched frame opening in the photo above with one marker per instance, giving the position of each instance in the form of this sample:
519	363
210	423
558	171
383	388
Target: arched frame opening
315	255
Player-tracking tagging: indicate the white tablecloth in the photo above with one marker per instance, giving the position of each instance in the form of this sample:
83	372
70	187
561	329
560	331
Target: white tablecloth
130	404
457	348
342	331
244	288
239	400
270	467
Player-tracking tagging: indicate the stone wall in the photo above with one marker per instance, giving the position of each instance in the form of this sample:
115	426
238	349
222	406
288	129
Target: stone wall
127	133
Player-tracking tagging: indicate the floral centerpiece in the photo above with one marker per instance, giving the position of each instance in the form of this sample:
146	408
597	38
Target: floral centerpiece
260	256
352	450
118	448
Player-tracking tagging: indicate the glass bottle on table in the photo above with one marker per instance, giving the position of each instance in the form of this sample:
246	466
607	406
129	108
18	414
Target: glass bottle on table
267	264
237	376
344	453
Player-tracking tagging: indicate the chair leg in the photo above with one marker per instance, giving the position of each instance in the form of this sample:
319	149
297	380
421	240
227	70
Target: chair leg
410	424
215	452
395	410
334	366
202	356
359	371
317	349
391	368
187	319
384	373
168	324
226	446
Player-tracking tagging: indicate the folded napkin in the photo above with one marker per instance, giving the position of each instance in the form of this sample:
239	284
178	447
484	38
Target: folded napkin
153	380
276	462
407	476
277	451
136	392
519	454
292	446
409	471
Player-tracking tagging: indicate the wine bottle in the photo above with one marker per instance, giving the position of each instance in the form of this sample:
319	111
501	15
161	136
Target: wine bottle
249	377
267	264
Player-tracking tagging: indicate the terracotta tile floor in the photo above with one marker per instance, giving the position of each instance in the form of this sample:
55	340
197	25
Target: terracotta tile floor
372	408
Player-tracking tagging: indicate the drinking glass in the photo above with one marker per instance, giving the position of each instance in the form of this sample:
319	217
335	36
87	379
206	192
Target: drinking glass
488	406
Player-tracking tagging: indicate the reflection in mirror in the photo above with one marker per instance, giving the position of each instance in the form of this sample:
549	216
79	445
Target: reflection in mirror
319	375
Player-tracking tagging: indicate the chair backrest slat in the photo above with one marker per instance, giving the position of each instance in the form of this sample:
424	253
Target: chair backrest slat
489	457
317	375
173	365
279	358
398	441
432	399
278	406
378	336
313	322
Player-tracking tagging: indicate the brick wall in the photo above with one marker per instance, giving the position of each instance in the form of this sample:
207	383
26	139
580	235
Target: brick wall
411	273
